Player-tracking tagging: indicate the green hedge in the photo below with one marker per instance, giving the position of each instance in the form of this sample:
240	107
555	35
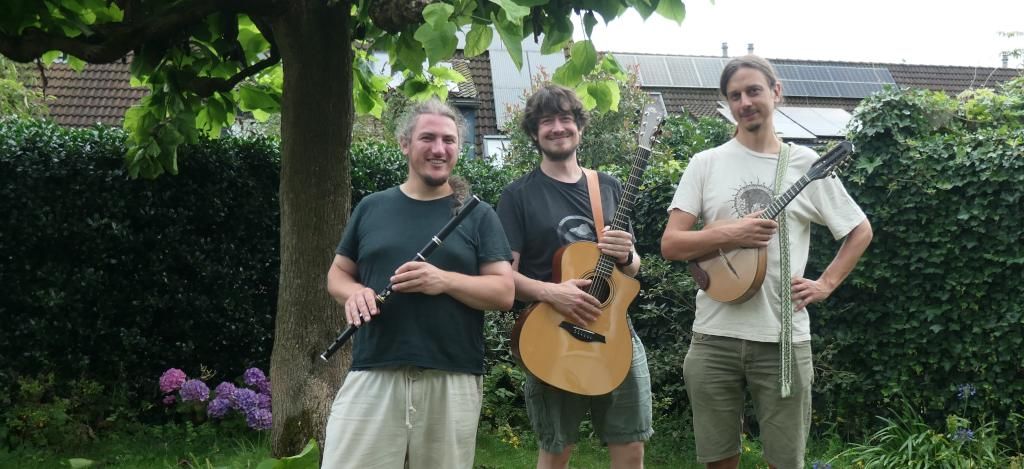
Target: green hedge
936	302
116	280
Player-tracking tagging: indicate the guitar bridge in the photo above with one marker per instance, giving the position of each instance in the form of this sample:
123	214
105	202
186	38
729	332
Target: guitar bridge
581	334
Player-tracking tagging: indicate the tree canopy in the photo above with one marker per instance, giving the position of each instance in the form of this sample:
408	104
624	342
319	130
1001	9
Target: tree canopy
205	60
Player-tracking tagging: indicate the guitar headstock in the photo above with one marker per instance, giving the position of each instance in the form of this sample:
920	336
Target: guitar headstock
833	161
650	126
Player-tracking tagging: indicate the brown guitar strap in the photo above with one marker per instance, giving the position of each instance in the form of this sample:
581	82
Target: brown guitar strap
595	201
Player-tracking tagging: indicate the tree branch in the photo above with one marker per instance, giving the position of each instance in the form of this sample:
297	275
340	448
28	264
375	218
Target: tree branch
206	86
112	41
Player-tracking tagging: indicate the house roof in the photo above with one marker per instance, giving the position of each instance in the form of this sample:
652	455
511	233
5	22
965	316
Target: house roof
701	102
101	93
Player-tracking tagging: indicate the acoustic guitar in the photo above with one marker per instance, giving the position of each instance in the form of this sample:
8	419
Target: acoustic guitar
590	360
734	276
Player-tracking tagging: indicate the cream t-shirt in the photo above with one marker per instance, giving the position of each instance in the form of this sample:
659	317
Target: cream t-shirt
730	181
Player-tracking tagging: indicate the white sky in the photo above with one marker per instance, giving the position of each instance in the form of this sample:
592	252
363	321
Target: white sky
936	32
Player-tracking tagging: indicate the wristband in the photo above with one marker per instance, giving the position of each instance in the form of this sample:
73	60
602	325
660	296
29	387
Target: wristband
629	260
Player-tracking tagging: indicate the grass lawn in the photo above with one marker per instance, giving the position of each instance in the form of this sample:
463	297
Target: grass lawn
206	446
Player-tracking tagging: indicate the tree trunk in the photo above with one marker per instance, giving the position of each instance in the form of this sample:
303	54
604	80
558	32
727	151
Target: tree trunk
316	128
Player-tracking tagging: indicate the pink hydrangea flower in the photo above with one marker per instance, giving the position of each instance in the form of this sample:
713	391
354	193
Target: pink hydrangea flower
171	380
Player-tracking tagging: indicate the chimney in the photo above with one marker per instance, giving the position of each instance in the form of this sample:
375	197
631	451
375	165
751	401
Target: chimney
725	49
1006	59
750	48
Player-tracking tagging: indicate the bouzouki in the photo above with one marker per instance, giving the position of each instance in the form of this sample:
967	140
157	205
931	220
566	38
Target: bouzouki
588	359
736	275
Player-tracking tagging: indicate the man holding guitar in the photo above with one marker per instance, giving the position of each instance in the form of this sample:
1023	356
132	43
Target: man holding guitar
541	212
414	391
760	343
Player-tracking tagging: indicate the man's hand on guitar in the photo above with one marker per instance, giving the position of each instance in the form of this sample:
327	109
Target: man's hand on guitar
616	243
750	231
569	299
807	291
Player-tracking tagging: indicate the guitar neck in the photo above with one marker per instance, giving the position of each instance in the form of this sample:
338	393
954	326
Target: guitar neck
624	211
779	203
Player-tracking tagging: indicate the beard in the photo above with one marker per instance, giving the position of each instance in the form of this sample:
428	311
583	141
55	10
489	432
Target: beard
433	181
557	155
754	127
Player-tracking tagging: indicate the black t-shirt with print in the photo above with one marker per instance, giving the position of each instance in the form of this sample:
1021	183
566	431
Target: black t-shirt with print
541	214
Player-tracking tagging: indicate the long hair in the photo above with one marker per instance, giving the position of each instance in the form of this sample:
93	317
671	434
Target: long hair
406	124
748	61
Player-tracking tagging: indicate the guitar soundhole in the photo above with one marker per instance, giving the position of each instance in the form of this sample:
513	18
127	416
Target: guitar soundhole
599	288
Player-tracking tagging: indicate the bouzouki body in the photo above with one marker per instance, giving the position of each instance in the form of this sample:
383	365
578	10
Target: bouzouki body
734	276
589	360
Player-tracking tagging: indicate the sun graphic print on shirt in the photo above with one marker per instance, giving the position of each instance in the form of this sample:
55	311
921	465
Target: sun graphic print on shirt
751	197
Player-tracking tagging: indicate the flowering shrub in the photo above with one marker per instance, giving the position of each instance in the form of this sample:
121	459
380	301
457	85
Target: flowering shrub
252	402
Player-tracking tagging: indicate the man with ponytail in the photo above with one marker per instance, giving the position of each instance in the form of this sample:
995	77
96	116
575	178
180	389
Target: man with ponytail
762	345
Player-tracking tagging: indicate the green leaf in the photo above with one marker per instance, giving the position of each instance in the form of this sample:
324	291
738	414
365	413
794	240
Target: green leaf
606	95
514	12
511	34
252	41
76	63
641	6
408	54
478	39
584	56
674	10
583	92
252	97
77	463
608	9
439	40
589	21
49	56
447	74
557	33
437	14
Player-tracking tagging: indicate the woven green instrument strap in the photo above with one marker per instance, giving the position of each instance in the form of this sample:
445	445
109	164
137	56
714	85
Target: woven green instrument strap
785	288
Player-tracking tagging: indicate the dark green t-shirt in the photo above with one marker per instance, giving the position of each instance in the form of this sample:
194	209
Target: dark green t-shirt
431	331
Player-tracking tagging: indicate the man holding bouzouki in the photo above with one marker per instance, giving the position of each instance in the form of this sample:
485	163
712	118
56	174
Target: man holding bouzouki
575	342
751	331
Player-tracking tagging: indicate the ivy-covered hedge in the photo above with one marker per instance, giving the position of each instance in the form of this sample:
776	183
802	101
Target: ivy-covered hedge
115	280
938	300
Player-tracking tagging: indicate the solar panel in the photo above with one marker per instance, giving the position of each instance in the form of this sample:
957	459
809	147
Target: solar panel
709	70
682	72
653	71
822	122
784	126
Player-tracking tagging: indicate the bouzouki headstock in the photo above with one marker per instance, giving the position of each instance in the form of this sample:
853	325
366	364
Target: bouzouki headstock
832	162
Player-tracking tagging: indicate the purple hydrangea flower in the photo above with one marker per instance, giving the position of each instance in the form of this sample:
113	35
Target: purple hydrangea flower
194	390
263	401
246	400
169	399
965	391
226	391
260	419
254	377
218	408
171	380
